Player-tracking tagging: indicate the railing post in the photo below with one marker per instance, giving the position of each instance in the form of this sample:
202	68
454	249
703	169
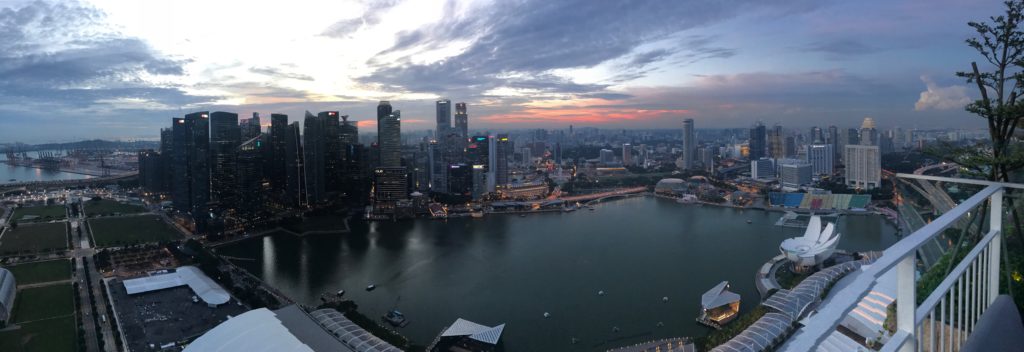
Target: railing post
906	302
995	224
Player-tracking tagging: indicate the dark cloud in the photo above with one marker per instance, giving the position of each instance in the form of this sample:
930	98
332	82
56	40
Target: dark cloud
525	38
344	28
62	54
840	48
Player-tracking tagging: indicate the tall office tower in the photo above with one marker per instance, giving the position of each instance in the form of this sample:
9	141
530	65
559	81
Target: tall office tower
492	165
758	146
460	179
191	165
868	133
225	137
314	153
295	173
389	135
794	173
627	154
643	155
461	120
333	150
444	118
833	139
790	146
477	153
558	153
816	136
150	176
390	187
689	145
166	152
606	156
863	166
763	168
438	169
776	143
850	136
707	159
349	131
251	127
250	175
501	159
821	158
351	173
480	183
278	174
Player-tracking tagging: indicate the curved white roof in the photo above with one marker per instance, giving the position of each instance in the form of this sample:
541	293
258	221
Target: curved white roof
463	327
815	245
7	289
257	330
718	296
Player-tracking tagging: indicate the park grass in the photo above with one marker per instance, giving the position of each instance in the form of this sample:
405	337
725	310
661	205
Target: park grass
34	238
56	334
45	213
44	302
131	230
33	273
110	207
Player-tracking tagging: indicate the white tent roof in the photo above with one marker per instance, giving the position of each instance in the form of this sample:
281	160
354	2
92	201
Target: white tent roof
202	285
463	327
257	330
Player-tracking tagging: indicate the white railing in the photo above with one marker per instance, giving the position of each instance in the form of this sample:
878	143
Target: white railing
950	313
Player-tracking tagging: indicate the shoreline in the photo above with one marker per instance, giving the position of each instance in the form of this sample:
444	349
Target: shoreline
90	173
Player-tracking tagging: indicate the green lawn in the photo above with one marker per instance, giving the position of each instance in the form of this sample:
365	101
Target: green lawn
110	207
45	213
34	238
131	230
31	273
57	334
44	302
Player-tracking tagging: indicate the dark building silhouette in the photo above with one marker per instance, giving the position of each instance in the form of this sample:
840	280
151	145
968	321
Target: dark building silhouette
277	166
250	175
503	149
150	170
295	189
389	135
191	166
461	120
225	137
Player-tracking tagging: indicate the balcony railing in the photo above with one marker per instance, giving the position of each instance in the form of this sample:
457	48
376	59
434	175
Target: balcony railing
948	316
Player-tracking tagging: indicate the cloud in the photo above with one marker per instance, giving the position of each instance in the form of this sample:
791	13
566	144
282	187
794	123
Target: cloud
841	48
277	73
371	17
64	55
936	97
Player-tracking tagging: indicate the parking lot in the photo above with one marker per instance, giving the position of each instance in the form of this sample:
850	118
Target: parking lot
160	317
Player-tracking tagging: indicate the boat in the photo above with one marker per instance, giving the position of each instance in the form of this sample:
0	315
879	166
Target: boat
600	293
371	287
547	315
396	318
522	215
341	293
749	221
591	209
477	214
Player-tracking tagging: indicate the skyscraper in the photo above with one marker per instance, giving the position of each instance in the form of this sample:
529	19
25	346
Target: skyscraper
833	140
295	189
437	168
689	145
821	157
502	151
349	131
757	142
322	155
444	118
191	166
389	135
863	166
225	137
868	133
278	174
627	154
461	120
776	143
250	194
331	126
251	128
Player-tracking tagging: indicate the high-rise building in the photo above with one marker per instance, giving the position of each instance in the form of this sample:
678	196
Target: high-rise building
333	151
689	145
794	173
444	118
460	179
352	174
150	170
389	135
863	166
251	128
868	133
833	140
820	156
322	155
502	152
776	143
606	156
790	147
278	174
225	137
850	136
757	142
461	120
627	154
250	175
349	131
191	166
389	187
437	168
762	169
295	174
478	151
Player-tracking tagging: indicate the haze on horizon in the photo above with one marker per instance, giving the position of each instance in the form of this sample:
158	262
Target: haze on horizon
74	70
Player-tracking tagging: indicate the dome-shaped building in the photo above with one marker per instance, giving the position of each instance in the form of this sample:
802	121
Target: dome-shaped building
670	186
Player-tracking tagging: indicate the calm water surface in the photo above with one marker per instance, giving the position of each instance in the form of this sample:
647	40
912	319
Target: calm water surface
507	269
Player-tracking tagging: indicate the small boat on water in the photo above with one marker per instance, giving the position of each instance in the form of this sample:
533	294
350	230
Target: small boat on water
371	287
341	293
522	215
396	318
477	214
749	221
547	315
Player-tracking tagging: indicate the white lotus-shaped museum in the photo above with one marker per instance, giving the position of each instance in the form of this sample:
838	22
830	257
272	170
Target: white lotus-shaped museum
815	246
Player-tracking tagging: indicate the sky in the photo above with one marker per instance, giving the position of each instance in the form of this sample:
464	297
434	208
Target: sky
121	69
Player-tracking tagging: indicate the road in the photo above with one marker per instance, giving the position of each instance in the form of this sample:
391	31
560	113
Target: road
83	253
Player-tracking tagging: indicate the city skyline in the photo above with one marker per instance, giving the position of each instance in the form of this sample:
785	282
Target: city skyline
106	69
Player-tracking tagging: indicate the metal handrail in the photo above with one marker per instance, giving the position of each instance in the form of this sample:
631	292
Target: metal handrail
901	254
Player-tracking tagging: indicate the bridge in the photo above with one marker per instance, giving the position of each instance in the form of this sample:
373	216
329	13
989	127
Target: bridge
602	195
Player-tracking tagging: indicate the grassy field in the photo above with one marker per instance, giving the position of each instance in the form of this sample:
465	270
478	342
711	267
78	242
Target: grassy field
34	238
110	207
31	273
44	302
131	230
57	334
45	213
